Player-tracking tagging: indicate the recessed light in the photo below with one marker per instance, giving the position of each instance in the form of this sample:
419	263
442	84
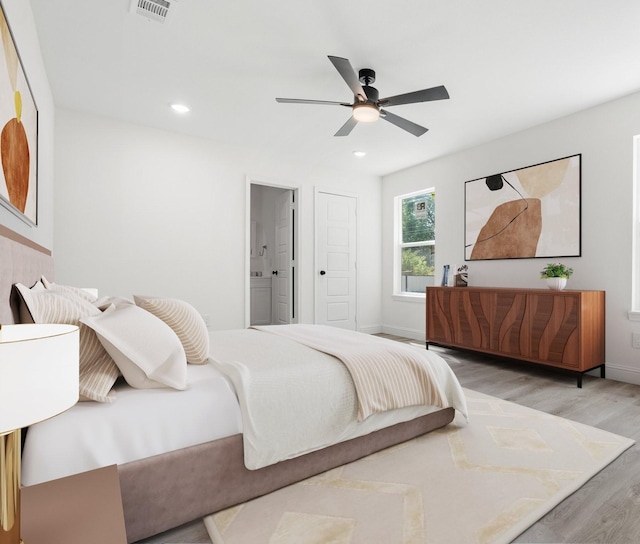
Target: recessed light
359	153
180	108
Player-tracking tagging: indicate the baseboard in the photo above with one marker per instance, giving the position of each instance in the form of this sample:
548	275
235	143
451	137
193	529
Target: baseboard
414	334
370	329
623	374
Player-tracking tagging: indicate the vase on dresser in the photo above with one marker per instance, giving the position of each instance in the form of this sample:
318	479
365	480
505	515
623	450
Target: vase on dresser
558	284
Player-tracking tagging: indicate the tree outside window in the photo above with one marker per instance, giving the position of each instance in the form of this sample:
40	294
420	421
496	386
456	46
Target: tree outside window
417	241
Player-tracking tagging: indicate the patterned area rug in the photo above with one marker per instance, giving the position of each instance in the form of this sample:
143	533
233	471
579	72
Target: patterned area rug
481	482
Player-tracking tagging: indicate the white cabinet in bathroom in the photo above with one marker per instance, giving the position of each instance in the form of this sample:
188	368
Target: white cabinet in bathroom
260	301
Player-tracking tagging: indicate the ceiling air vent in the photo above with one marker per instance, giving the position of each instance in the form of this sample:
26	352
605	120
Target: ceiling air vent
154	10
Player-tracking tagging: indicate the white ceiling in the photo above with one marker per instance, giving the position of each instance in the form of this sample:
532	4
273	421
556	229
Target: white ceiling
507	64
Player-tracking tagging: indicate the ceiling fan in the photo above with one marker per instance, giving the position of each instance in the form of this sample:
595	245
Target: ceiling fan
367	106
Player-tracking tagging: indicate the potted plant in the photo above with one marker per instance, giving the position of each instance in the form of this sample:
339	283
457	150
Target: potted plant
556	275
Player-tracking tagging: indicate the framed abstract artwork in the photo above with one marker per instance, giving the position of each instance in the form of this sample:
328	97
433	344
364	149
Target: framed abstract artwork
526	213
19	133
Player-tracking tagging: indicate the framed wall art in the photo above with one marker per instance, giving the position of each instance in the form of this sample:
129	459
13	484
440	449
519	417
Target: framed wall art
18	133
525	213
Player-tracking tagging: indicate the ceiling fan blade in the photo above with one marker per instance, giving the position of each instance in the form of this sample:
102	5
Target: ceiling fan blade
434	93
403	123
346	129
349	75
303	101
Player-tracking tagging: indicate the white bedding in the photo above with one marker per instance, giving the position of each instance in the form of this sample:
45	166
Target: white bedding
386	375
139	424
295	399
300	400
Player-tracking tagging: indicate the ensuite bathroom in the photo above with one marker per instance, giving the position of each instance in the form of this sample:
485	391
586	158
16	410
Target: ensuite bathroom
270	269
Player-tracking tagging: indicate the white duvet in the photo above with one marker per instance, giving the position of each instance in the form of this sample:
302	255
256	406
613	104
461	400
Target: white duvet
295	399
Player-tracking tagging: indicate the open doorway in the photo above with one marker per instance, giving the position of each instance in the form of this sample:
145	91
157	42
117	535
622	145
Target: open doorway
272	255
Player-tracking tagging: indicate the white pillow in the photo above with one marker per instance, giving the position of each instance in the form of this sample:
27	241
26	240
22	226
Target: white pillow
98	372
146	350
185	321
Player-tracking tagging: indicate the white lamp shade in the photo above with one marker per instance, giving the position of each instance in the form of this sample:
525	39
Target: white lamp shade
39	369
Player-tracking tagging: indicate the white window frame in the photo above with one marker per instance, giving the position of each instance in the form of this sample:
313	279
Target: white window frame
398	294
634	314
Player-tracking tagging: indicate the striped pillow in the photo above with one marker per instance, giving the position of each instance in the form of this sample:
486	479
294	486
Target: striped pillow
185	321
77	291
98	372
23	310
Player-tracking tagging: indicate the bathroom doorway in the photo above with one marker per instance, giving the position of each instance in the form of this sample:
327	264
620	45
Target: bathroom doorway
272	255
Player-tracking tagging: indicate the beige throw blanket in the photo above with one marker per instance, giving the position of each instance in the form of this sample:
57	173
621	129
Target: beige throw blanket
386	375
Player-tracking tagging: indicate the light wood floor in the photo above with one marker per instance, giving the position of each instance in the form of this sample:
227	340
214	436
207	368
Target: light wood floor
606	510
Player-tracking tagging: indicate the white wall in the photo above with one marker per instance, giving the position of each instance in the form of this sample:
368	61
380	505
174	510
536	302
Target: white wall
20	18
604	137
143	211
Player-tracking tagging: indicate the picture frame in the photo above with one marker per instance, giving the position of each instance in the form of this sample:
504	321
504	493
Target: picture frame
532	212
18	132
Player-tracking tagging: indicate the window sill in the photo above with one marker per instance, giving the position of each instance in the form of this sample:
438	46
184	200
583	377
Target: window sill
634	315
407	297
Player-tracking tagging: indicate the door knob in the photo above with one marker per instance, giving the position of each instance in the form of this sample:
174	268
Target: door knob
322	272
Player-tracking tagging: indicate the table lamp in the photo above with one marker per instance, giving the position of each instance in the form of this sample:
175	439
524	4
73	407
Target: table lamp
38	379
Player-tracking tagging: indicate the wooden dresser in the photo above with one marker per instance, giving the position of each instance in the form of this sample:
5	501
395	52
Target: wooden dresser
563	329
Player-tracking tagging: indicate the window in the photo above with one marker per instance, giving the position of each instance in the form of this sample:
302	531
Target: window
415	242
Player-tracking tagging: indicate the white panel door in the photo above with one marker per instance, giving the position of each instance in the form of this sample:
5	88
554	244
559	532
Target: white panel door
283	272
336	260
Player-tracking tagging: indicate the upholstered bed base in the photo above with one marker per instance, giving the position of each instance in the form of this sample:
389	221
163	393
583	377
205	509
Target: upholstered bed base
212	476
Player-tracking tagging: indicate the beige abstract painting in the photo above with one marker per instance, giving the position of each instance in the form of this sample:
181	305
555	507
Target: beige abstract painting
525	213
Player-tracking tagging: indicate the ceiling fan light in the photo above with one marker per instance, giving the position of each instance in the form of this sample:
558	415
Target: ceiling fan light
366	113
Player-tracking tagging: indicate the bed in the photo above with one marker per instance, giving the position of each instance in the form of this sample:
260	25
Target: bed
177	462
